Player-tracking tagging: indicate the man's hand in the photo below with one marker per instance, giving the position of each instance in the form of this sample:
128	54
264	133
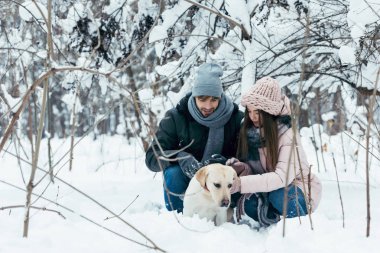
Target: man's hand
188	164
215	158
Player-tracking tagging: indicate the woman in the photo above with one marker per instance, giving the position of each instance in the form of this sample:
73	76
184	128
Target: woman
271	164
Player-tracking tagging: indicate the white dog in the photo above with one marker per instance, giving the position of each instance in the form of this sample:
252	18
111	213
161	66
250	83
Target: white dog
208	193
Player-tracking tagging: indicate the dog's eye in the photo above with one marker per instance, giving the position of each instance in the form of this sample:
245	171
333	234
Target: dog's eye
229	185
217	185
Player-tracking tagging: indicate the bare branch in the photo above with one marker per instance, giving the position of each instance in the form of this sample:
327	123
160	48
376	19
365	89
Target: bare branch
33	207
245	34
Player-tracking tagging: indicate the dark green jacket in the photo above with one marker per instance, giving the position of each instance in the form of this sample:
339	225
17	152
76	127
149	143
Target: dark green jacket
178	128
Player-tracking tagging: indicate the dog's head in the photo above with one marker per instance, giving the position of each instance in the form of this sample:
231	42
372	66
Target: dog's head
217	179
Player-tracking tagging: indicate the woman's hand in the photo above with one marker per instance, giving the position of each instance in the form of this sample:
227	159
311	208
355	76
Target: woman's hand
236	185
242	169
231	161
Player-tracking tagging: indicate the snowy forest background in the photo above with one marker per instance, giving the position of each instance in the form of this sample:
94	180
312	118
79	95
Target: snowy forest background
87	69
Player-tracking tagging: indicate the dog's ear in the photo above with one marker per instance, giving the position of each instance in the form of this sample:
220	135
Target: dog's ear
201	176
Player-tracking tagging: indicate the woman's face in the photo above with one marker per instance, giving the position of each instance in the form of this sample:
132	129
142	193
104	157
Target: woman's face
254	115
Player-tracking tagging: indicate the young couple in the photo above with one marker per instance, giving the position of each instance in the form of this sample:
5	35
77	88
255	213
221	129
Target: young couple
207	127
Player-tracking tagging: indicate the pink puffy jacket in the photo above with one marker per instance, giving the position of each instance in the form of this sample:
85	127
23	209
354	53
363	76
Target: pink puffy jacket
289	158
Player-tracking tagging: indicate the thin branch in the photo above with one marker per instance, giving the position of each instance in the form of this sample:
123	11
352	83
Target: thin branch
367	149
35	157
108	218
142	42
33	207
370	120
231	20
200	35
372	9
338	184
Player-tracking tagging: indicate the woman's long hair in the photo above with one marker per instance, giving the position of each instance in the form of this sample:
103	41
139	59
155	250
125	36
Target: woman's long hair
269	132
242	148
271	138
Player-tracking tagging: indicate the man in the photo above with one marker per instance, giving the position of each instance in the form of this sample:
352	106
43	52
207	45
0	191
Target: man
202	129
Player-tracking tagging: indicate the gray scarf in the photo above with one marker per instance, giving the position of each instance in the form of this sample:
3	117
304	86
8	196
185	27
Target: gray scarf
215	122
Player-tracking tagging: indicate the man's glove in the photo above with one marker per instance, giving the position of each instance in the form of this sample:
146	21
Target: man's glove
236	185
190	165
215	158
242	169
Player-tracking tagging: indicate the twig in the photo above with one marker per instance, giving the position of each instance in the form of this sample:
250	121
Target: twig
337	181
33	207
319	132
30	185
139	46
344	153
107	218
73	126
370	119
315	146
373	10
367	149
231	20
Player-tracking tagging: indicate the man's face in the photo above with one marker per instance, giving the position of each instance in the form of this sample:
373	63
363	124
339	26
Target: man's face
206	104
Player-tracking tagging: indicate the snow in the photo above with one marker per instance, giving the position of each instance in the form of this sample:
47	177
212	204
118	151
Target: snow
32	10
112	171
360	15
248	75
329	116
170	17
12	102
158	33
238	10
347	55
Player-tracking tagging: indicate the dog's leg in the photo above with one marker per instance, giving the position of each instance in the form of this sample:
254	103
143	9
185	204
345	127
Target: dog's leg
221	217
230	215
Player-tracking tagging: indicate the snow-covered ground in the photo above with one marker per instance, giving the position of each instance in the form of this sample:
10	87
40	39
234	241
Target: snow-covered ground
112	171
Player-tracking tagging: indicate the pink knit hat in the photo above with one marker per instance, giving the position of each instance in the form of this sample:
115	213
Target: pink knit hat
265	95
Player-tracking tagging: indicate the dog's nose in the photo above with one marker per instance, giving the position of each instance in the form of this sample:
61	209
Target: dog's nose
225	203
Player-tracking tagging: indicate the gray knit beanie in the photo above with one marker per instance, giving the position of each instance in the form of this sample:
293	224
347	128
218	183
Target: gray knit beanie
207	81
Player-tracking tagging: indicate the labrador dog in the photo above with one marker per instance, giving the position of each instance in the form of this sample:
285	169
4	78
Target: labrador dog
208	193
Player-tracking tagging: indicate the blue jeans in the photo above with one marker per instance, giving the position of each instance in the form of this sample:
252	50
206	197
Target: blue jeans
176	182
296	203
